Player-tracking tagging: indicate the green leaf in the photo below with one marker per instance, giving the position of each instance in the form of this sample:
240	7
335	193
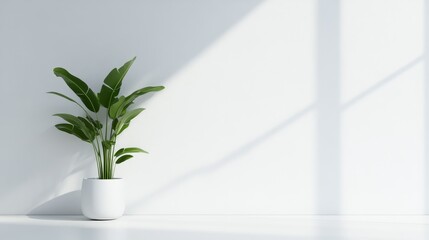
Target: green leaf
92	123
65	127
78	123
97	124
112	84
64	96
123	159
129	150
143	91
130	99
125	126
114	123
71	129
87	123
116	109
125	120
79	87
71	119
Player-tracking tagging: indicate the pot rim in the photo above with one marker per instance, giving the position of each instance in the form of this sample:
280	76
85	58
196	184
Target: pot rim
99	179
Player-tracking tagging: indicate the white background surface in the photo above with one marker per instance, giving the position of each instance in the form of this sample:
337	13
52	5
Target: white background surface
270	107
216	227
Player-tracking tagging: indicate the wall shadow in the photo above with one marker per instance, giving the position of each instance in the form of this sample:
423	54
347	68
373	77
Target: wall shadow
328	200
31	177
381	83
64	204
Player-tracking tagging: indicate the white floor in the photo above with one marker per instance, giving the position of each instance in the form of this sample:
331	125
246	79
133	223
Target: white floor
208	227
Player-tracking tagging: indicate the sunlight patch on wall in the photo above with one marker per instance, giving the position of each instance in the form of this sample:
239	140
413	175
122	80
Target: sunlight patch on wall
240	123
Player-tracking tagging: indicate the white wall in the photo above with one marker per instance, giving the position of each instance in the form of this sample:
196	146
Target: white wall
270	107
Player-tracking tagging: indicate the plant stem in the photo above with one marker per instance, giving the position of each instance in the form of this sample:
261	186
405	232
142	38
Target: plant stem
97	159
99	147
107	122
112	155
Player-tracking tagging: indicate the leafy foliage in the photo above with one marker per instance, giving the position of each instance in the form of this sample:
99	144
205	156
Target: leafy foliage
123	159
112	84
129	150
89	129
80	88
124	122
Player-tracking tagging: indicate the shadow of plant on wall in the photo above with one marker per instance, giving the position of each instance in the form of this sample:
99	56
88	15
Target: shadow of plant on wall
68	202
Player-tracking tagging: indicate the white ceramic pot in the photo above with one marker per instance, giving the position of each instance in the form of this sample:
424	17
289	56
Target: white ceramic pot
102	199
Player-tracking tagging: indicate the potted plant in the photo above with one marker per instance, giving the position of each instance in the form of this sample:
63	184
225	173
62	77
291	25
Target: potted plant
106	116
